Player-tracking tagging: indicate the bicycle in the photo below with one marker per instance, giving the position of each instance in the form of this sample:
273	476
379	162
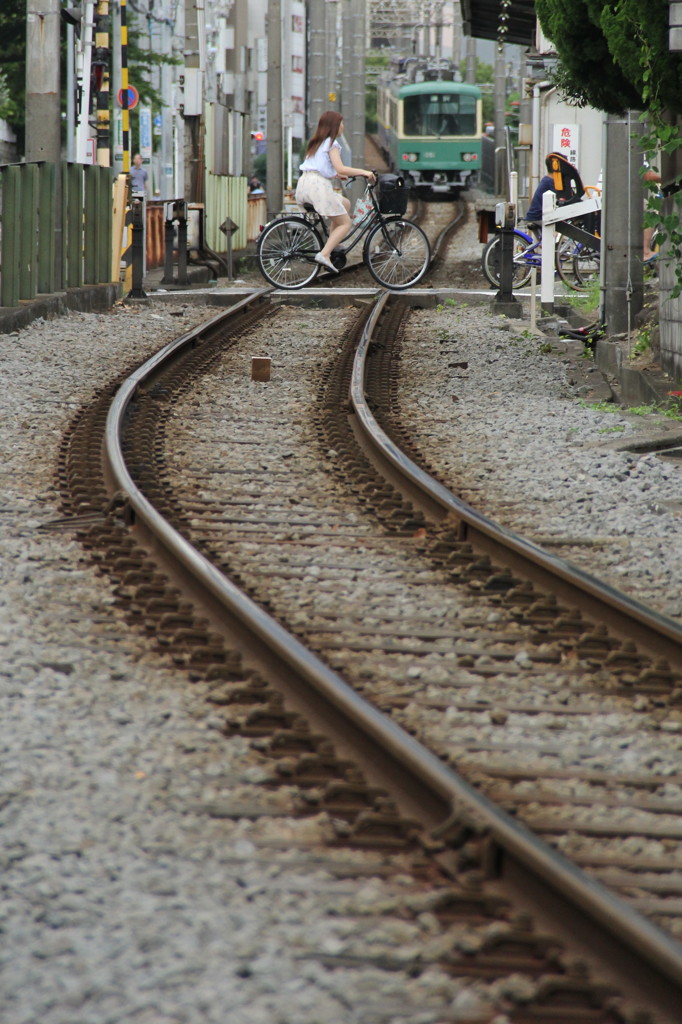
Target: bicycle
396	252
574	262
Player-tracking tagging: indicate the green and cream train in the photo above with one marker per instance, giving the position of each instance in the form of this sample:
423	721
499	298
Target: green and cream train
429	127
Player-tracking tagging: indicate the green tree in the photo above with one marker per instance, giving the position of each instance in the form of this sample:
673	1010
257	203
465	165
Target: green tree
13	68
375	62
141	62
613	53
485	77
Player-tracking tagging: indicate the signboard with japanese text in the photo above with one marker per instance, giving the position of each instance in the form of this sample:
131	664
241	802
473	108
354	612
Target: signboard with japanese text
146	134
566	140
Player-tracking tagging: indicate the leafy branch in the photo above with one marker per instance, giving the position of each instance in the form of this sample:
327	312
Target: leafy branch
661	136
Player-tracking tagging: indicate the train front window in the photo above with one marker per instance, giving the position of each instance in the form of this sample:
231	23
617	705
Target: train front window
440	114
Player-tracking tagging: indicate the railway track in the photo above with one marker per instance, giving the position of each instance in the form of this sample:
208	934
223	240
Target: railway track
426	627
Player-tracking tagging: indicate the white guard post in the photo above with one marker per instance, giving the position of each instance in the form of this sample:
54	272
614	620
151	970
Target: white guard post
551	215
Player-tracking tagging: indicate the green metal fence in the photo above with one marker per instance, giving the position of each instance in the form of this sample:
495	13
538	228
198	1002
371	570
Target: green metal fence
36	257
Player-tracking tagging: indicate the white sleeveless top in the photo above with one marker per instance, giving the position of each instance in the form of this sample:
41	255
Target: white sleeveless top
320	161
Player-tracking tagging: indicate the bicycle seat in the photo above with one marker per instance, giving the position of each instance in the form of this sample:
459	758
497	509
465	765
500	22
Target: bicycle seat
309	208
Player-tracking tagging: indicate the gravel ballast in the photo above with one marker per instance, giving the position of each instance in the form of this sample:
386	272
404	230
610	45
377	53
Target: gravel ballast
129	895
501	418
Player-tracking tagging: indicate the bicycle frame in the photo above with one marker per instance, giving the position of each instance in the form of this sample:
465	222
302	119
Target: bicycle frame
357	231
532	257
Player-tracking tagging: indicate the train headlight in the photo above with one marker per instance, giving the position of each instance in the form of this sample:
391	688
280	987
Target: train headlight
468	157
412	157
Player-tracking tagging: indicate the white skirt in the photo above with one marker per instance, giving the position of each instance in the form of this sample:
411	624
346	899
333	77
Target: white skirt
317	190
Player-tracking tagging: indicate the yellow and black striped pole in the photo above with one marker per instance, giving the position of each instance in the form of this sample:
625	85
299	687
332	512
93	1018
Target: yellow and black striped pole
101	66
127	254
125	115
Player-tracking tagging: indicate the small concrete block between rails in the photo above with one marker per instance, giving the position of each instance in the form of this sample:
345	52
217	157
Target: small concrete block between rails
88	299
260	368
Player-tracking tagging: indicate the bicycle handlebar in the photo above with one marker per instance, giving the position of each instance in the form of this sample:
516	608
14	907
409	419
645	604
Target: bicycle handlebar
353	177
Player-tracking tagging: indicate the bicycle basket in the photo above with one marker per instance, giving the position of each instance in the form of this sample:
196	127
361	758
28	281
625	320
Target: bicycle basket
392	193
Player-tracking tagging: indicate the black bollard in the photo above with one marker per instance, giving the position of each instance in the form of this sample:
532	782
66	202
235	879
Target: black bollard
137	248
168	239
180	211
505	301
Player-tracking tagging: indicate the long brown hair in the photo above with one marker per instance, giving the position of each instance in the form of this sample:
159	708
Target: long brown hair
328	127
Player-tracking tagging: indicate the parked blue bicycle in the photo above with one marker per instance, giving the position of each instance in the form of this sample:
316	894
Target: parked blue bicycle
576	264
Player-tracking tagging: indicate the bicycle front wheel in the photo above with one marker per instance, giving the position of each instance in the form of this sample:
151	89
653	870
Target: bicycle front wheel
397	253
565	251
490	262
286	251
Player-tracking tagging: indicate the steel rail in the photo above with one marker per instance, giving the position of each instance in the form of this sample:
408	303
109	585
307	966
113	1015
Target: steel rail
661	951
443	240
443	788
633	620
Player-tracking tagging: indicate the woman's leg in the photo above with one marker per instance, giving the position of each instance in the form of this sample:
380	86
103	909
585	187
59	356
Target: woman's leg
340	226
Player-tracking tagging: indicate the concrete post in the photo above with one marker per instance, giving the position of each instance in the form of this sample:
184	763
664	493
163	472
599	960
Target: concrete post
166	182
356	138
347	64
193	144
43	118
316	64
273	166
43	115
83	84
621	278
331	36
470	69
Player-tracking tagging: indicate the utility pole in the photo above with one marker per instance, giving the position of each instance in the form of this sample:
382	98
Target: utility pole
347	63
470	67
357	106
166	180
193	99
100	64
43	114
621	251
273	162
83	78
70	93
317	77
331	37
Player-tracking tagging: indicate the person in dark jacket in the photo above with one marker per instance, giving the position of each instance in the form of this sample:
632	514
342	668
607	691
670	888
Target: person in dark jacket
571	185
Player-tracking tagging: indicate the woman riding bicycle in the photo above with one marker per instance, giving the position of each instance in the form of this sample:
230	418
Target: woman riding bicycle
323	163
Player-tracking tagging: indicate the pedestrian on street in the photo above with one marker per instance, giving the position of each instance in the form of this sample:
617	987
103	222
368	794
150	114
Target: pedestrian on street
138	176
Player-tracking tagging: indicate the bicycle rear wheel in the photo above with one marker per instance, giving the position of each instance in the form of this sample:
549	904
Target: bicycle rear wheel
490	262
397	253
586	264
286	251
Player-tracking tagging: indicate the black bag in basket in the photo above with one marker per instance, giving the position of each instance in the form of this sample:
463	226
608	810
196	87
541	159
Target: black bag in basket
392	193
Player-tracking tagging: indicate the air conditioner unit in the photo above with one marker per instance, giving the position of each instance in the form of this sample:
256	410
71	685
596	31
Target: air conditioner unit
192	98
